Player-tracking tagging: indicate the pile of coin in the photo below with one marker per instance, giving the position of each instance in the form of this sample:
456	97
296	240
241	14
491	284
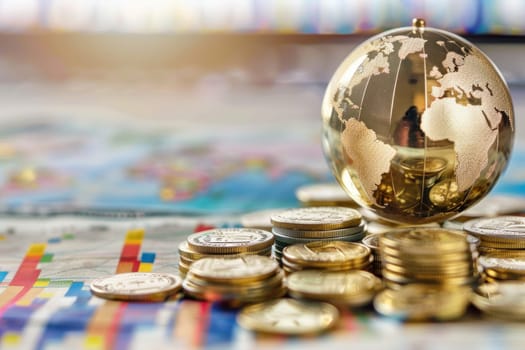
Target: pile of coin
498	234
428	256
305	225
372	242
324	195
235	281
326	255
344	288
231	242
501	299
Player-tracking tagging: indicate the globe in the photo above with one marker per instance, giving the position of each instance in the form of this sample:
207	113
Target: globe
418	124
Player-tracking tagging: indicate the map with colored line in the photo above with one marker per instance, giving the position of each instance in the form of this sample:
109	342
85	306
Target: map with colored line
45	302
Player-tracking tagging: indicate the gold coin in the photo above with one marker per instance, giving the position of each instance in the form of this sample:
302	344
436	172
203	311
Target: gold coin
230	240
288	316
291	266
425	240
323	194
355	288
322	254
343	233
188	254
137	286
445	194
419	302
235	270
398	256
502	299
431	279
317	218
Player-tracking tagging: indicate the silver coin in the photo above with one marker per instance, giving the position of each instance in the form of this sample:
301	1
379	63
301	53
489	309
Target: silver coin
137	286
230	240
506	227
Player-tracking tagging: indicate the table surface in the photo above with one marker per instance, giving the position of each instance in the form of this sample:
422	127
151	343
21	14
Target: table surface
134	158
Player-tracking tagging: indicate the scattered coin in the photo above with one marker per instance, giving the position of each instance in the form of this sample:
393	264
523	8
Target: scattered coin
288	316
422	302
137	286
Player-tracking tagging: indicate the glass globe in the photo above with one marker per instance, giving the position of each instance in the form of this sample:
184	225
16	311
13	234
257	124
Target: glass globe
418	124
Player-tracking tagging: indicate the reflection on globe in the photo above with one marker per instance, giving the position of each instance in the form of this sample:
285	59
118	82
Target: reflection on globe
417	124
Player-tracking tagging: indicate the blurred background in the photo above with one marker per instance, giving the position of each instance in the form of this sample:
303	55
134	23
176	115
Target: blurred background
178	67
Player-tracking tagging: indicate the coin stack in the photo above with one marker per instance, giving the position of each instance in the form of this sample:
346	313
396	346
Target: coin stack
428	256
331	255
305	225
502	234
235	281
345	288
372	242
233	242
324	195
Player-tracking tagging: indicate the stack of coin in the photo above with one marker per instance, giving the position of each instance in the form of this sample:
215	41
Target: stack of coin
431	256
372	242
235	281
231	242
503	266
501	299
498	234
331	255
423	302
312	224
324	195
345	288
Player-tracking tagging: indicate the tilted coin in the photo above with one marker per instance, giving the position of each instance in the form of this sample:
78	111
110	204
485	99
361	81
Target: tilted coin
498	228
317	218
235	270
137	286
260	219
288	316
321	234
323	253
355	288
323	194
417	302
230	240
